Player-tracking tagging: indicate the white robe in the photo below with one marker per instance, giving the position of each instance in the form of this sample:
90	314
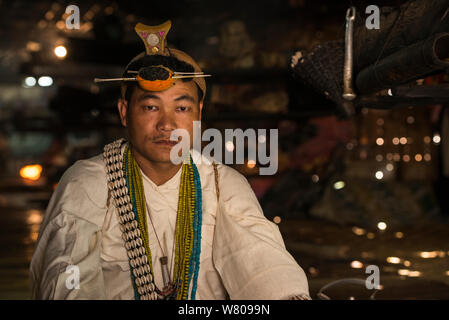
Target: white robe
242	253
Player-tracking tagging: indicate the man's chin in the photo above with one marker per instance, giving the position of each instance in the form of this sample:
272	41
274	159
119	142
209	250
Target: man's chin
162	156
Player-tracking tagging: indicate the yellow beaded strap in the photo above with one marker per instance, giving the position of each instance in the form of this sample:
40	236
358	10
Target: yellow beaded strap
184	230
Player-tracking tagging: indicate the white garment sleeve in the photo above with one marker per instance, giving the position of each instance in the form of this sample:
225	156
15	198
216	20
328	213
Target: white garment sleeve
248	250
66	241
70	235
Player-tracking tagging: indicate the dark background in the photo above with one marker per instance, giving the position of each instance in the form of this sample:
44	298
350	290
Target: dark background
326	197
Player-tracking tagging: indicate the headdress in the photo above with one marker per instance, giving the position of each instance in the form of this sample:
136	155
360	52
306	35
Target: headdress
158	77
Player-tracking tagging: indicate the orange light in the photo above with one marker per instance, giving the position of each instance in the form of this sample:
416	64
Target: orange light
379	141
428	254
31	172
60	51
356	264
251	164
393	260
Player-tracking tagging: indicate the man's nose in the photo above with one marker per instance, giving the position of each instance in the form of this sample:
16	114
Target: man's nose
166	122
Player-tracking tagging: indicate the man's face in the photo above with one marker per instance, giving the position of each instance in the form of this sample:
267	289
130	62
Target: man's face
150	117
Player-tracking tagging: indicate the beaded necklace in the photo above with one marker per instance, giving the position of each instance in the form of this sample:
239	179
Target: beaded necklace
126	186
188	223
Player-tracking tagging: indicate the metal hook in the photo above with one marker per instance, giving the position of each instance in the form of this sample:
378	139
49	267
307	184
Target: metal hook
350	14
348	91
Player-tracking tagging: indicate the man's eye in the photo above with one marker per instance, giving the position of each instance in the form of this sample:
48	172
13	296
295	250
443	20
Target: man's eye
182	108
150	108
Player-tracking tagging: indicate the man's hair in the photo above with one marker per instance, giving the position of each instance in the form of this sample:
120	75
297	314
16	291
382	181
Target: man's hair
170	62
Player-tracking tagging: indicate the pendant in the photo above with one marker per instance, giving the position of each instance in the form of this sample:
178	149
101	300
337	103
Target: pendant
169	290
164	268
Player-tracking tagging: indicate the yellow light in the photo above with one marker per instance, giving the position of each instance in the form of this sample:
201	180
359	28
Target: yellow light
406	158
396	157
407	263
34	217
436	138
414	274
60	25
229	146
399	235
277	220
339	185
382	225
379	175
34	236
403	140
60	52
379	158
441	254
428	254
370	235
403	272
315	178
33	46
418	157
393	260
427	157
427	139
395	140
251	164
447	273
379	141
49	15
358	231
42	24
31	172
389	167
356	264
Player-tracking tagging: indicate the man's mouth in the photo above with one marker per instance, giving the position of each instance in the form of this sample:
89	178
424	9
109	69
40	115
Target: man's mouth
165	142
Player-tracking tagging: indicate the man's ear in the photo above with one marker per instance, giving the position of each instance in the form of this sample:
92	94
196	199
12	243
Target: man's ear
201	108
122	106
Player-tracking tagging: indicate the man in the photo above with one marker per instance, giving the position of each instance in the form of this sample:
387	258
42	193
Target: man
131	224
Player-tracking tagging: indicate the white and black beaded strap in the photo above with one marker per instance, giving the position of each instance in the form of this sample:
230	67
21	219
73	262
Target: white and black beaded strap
129	226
